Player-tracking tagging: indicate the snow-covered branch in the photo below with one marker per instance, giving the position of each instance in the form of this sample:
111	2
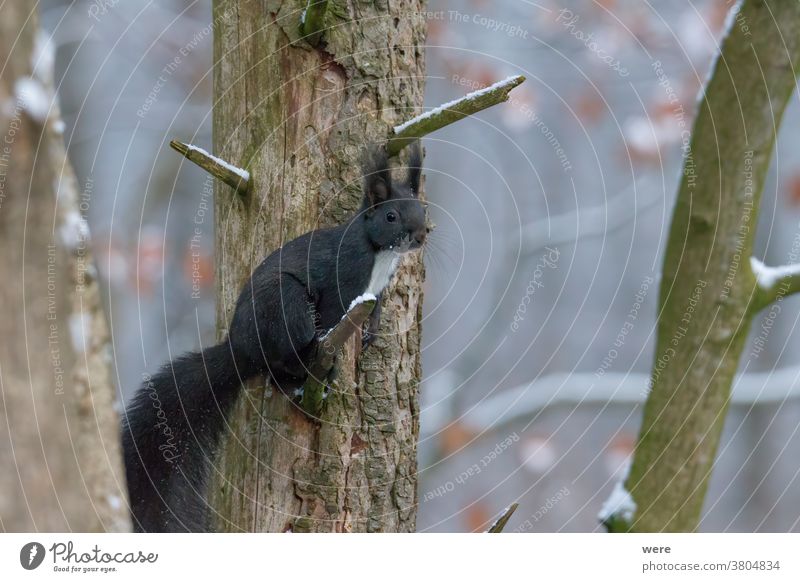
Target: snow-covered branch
235	177
450	112
329	345
624	389
311	21
774	283
619	509
501	522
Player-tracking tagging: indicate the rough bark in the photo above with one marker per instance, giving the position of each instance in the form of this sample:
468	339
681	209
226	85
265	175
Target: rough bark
298	118
60	448
708	284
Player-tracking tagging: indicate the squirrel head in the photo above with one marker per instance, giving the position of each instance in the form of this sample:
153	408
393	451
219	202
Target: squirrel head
394	216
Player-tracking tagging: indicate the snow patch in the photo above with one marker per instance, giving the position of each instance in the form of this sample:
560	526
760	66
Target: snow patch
730	19
363	298
33	97
619	504
74	231
79	331
451	104
114	501
243	174
768	277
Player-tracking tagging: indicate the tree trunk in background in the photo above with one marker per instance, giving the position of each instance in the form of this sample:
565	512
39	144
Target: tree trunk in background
60	450
708	285
299	119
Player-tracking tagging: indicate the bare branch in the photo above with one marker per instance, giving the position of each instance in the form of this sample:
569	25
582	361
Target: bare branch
774	283
450	112
614	214
311	23
501	522
329	346
235	177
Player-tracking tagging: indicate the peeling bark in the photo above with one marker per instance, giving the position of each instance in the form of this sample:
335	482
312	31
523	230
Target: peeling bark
298	119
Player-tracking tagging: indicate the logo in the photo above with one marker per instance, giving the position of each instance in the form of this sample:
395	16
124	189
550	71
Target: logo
31	555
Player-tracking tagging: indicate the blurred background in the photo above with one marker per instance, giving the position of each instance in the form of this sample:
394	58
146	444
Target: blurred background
542	280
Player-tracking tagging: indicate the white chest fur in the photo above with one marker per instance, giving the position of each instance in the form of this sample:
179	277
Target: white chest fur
385	265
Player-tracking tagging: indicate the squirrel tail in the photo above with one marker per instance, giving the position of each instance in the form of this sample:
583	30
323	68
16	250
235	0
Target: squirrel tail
171	431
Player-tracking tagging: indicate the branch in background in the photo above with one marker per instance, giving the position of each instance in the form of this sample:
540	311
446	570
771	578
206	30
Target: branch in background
615	213
501	522
616	388
329	345
311	21
235	177
774	283
450	112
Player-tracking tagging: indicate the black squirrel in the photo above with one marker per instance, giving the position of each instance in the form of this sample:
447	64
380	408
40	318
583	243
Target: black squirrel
174	422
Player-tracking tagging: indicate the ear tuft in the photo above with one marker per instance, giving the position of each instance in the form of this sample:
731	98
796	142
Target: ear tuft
377	178
415	168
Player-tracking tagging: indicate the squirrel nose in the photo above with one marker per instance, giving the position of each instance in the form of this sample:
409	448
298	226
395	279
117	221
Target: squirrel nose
419	236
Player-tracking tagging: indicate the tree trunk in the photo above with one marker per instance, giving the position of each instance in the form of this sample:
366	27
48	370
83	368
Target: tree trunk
708	288
299	119
60	451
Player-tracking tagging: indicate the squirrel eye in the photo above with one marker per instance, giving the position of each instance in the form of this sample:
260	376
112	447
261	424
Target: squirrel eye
391	216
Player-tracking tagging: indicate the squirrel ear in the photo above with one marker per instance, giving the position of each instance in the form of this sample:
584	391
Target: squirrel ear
415	168
378	179
377	191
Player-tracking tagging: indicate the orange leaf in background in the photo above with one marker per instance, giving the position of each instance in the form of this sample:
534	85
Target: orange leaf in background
454	438
716	15
435	31
150	257
619	451
477	516
590	107
793	190
608	4
198	267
